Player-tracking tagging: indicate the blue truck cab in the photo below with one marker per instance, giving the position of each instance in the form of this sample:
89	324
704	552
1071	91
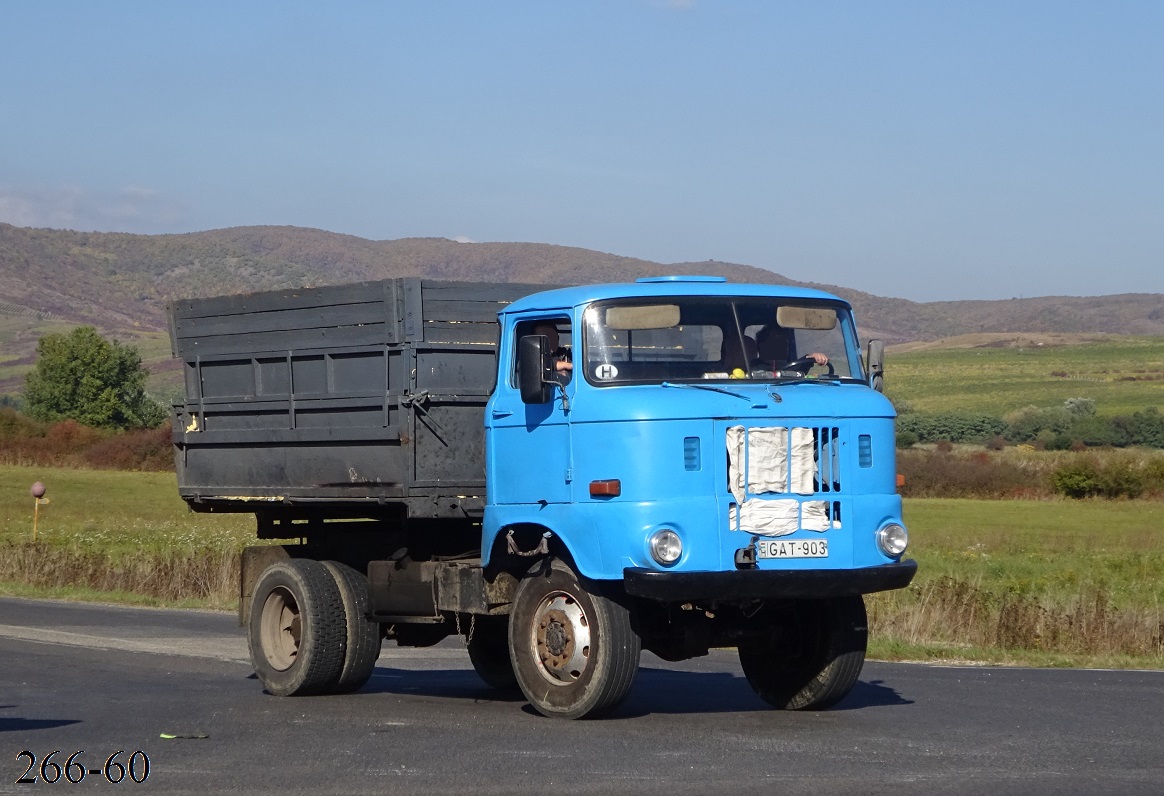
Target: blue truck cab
711	452
564	477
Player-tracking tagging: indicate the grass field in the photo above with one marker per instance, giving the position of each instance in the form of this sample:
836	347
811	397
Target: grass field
1042	582
116	535
119	513
1000	374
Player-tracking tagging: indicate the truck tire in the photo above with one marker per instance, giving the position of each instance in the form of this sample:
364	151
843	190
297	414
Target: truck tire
574	652
363	635
297	632
814	661
489	652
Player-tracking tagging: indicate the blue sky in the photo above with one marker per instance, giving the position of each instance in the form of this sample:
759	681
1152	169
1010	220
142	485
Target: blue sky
928	150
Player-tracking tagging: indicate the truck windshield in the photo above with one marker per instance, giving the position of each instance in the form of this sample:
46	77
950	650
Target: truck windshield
700	339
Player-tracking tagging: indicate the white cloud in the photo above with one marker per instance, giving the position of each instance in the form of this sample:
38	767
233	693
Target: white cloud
132	208
464	239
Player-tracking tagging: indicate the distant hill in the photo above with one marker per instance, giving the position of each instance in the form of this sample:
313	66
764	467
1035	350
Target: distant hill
120	282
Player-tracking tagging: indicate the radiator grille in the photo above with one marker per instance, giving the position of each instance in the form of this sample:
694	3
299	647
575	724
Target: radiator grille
827	441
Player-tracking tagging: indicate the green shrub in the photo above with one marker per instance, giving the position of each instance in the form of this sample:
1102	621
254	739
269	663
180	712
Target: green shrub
1154	475
1077	479
84	377
952	426
906	439
1095	432
1121	479
1027	424
13	424
1086	478
1147	428
1045	439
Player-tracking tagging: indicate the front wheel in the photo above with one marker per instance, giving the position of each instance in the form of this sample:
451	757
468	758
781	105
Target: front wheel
813	656
574	652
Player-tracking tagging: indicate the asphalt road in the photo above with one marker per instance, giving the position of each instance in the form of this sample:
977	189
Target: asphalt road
101	679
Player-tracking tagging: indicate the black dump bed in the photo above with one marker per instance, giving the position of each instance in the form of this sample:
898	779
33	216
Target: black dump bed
368	394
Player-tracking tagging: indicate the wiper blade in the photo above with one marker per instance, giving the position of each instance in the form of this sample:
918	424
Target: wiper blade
831	380
710	388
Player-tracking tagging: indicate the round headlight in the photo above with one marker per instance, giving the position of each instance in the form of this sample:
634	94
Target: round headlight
892	539
666	546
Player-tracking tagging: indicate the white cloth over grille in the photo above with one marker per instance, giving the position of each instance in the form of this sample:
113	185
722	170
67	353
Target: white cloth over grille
764	452
759	464
780	517
803	461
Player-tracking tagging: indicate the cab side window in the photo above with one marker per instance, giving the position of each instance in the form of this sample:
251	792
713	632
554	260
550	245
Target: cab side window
557	332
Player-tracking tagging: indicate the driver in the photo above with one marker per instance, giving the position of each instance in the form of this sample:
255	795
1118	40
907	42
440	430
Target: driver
563	364
774	349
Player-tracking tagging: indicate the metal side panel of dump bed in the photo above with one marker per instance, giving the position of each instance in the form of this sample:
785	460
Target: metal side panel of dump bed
357	395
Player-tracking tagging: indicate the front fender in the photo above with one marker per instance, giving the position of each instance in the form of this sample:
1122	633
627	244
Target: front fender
560	519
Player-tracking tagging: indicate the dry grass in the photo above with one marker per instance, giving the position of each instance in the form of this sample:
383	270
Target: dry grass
959	614
207	577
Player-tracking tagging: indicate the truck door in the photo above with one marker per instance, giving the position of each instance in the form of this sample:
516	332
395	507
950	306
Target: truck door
529	444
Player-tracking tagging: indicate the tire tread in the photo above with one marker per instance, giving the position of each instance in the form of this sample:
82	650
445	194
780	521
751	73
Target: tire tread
825	680
362	642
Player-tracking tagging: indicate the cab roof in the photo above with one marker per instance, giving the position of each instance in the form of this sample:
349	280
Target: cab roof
661	287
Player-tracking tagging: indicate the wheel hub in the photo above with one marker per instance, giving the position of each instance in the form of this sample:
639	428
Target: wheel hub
281	629
562	637
558	641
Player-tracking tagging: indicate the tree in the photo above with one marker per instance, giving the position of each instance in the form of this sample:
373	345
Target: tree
84	377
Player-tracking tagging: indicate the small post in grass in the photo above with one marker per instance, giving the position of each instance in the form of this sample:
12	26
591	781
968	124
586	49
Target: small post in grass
38	495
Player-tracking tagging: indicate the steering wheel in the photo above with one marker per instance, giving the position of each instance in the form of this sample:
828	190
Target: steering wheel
804	365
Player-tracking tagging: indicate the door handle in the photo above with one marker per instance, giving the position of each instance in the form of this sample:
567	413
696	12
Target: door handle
500	413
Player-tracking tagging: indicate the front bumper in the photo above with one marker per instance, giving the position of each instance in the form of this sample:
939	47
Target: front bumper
761	584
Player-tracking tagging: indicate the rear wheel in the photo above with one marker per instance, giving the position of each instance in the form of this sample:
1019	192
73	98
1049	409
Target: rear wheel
813	658
489	651
363	636
297	631
574	652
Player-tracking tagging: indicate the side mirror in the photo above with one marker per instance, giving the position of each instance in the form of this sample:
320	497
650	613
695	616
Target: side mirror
533	372
876	359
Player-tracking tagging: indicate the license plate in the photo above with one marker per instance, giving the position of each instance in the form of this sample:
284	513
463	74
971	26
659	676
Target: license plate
792	548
